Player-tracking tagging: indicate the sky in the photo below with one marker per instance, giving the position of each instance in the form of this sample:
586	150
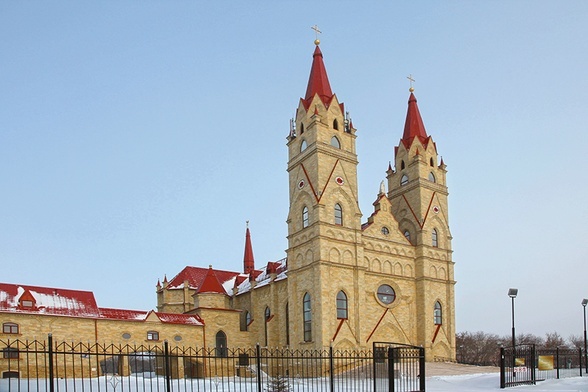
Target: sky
138	137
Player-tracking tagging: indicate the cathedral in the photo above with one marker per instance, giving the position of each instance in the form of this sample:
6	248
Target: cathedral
343	283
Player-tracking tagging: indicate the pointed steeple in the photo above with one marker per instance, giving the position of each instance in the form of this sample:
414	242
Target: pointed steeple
248	260
414	126
211	284
318	83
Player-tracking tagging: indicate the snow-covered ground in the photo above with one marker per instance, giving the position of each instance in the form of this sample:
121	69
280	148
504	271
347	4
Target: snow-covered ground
491	382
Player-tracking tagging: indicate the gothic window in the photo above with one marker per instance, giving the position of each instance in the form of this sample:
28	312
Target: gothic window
303	145
245	320
438	314
386	294
404	179
401	165
407	235
341	305
307	318
301	128
9	328
431	162
434	240
338	214
267	318
335	142
305	217
335	124
431	177
152	335
221	344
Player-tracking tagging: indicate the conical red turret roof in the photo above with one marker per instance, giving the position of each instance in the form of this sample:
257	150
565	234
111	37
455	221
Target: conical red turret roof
211	284
248	260
414	126
318	83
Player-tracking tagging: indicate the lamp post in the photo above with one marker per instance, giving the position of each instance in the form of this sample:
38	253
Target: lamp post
584	303
512	293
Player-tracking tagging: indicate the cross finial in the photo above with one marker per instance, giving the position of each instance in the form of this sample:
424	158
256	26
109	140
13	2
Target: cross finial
247	223
409	77
316	32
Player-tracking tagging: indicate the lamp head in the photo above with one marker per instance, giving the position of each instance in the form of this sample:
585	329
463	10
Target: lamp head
585	302
512	293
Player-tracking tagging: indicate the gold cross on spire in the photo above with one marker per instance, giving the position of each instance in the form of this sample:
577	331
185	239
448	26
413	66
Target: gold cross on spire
316	32
409	77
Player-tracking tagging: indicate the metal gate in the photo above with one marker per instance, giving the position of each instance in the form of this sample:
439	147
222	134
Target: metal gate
517	365
398	367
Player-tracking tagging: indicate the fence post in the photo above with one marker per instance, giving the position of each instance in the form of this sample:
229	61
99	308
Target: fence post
533	361
422	369
580	357
166	360
331	368
50	353
390	369
374	367
502	369
258	355
557	363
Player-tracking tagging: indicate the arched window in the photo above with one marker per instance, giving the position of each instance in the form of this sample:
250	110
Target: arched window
401	165
305	217
221	344
335	142
407	235
434	240
431	177
438	314
303	145
338	214
431	162
301	128
404	179
9	328
267	315
245	320
307	318
341	305
335	124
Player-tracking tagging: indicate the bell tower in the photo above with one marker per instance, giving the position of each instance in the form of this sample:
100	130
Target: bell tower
324	219
417	191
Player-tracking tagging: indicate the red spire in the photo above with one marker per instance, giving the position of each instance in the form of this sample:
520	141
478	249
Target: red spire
414	127
318	83
248	261
211	284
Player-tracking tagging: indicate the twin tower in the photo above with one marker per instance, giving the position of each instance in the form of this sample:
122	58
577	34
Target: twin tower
389	279
343	283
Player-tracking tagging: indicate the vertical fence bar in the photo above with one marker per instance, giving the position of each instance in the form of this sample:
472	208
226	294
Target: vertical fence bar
166	360
533	361
557	362
258	355
502	369
375	375
390	369
580	361
50	353
422	374
331	369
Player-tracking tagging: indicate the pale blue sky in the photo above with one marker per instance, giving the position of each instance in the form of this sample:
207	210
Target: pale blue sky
134	135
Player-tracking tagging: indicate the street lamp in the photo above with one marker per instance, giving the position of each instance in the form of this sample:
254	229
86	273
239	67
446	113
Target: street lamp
512	293
584	303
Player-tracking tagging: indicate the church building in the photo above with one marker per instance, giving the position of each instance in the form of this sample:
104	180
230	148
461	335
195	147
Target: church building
343	282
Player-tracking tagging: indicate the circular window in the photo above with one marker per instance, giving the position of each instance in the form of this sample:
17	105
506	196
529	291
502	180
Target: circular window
339	181
385	230
301	184
177	338
126	335
386	294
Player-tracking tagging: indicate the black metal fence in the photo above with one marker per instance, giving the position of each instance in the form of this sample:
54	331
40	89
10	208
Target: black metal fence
524	364
49	366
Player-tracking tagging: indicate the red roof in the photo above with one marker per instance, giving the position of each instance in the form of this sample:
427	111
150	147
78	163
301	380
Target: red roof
123	314
211	284
414	126
318	83
196	275
47	300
